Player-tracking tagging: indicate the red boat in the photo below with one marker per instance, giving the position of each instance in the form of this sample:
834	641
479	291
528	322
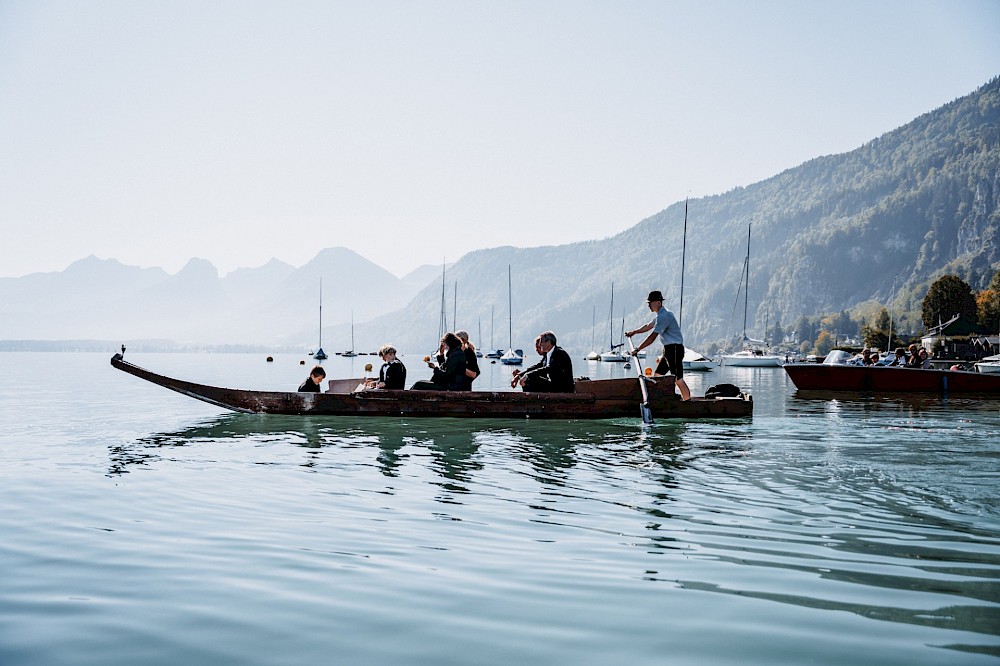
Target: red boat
889	379
593	399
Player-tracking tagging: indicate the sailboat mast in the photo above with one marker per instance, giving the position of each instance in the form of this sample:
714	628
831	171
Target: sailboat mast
623	326
892	297
746	292
593	328
611	321
454	311
442	321
680	310
492	308
352	329
510	313
321	313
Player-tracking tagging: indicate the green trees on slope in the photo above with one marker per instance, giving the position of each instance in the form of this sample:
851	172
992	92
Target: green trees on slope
948	296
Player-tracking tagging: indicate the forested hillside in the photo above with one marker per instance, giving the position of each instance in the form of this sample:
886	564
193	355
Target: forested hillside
828	235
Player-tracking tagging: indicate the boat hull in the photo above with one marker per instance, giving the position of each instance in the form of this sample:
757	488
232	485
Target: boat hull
612	357
594	399
889	379
756	361
695	361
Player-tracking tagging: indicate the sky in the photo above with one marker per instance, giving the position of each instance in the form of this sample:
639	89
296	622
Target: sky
415	131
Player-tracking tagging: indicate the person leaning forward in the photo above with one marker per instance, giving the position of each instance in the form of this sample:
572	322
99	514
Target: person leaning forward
313	383
664	324
450	376
553	374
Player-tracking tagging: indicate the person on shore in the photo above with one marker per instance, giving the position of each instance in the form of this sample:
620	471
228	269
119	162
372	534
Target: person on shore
471	361
664	324
392	375
553	374
313	381
449	373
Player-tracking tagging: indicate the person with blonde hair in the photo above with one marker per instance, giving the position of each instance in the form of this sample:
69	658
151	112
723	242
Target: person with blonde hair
392	375
471	361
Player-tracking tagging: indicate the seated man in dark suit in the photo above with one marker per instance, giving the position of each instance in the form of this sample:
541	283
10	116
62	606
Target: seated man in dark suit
553	374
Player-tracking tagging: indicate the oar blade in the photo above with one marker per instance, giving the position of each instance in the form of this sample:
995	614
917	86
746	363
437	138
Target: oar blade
644	409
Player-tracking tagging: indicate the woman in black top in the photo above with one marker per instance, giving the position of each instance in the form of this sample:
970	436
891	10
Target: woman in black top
449	374
471	361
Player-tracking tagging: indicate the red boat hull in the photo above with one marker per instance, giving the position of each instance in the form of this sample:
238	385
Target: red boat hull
889	379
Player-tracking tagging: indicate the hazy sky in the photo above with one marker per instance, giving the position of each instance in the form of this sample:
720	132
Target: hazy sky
416	131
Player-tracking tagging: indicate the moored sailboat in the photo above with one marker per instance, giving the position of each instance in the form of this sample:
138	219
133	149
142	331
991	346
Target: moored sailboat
350	353
692	360
593	355
511	356
319	354
695	361
494	352
752	355
613	355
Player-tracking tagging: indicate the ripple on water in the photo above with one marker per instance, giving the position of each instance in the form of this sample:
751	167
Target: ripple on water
164	532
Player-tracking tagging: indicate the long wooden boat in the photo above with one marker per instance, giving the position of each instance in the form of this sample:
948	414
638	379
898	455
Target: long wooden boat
594	399
889	379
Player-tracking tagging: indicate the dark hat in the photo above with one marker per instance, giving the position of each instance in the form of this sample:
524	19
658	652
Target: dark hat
654	296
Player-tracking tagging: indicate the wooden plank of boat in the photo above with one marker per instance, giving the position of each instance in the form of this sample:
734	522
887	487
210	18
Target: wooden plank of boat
594	399
889	379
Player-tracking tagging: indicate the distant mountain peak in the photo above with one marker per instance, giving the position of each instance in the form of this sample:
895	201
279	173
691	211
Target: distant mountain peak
198	267
90	262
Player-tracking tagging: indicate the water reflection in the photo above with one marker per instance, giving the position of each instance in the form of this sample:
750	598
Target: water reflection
834	526
812	401
846	510
550	449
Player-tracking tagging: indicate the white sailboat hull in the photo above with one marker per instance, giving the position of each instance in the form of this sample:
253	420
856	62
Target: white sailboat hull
695	361
511	357
752	358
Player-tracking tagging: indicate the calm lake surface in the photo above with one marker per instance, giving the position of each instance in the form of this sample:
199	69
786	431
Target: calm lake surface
139	526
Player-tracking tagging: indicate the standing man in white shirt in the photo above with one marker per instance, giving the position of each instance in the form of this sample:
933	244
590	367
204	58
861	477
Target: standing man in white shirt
664	324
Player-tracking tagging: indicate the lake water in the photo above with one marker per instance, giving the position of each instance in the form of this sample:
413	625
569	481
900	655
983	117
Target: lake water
139	526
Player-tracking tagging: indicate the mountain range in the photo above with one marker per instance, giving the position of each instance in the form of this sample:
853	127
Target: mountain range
834	234
273	304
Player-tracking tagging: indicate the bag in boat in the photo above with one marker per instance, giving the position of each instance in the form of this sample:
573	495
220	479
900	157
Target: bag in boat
723	391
